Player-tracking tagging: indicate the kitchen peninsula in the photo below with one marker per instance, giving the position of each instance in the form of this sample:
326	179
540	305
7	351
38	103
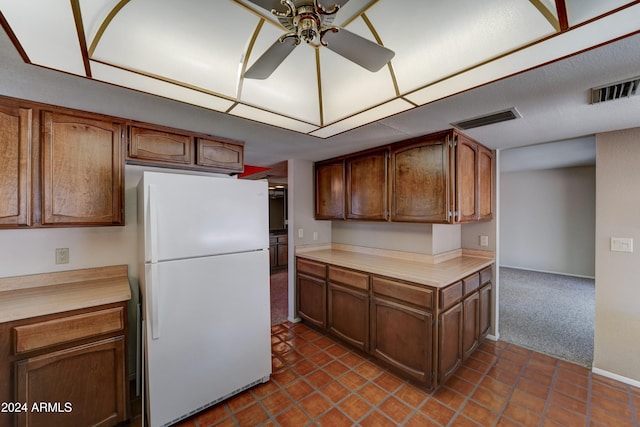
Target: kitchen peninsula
420	314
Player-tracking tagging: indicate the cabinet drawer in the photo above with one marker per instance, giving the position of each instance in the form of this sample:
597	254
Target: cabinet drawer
486	275
411	294
349	277
66	329
450	295
311	267
470	284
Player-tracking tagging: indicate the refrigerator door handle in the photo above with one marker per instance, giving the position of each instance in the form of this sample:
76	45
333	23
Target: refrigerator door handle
153	224
152	283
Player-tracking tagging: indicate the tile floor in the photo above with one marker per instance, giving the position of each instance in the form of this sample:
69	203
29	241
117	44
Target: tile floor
318	381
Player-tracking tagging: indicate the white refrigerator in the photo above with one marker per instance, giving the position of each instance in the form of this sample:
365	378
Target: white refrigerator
204	282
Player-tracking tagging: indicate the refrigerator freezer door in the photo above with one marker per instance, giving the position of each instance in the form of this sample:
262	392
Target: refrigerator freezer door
214	319
201	216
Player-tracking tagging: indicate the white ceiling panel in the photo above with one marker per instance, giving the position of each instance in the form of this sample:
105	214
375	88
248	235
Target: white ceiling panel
55	43
434	39
189	42
579	11
292	89
153	86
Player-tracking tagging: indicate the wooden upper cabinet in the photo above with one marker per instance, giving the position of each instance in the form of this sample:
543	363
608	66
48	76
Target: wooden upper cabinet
159	146
466	180
329	202
15	166
485	183
220	155
366	177
419	184
82	170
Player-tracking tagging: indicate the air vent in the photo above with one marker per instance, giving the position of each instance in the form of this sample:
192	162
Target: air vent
614	91
488	119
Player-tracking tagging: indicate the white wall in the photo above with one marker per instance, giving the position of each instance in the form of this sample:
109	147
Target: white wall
547	220
617	329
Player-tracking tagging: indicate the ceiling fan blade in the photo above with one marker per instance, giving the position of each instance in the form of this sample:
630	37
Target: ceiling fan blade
357	49
271	59
269	4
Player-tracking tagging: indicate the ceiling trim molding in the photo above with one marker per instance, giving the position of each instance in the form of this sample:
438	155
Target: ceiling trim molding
319	80
246	55
549	16
105	24
14	39
77	19
376	36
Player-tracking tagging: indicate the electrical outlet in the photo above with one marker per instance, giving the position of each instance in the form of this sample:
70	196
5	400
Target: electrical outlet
62	255
315	235
484	240
300	233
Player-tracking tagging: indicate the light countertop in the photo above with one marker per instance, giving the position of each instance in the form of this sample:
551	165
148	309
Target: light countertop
22	297
416	268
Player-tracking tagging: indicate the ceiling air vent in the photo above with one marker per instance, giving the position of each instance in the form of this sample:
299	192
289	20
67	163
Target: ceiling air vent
613	91
488	119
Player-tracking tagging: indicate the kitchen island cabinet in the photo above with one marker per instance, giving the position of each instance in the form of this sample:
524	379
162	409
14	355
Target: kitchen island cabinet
420	319
63	345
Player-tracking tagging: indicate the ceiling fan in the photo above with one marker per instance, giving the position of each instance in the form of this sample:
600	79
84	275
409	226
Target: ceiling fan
309	21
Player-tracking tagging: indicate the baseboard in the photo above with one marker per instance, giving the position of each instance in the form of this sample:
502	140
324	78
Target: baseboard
493	337
294	320
616	377
549	272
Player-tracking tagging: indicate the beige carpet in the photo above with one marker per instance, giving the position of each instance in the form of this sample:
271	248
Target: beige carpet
279	298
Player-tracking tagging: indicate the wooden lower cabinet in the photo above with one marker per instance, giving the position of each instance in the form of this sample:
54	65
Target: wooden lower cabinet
470	330
66	369
312	299
450	342
52	382
402	336
348	315
394	320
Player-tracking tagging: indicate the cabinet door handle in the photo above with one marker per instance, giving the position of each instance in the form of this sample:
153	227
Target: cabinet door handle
152	294
153	224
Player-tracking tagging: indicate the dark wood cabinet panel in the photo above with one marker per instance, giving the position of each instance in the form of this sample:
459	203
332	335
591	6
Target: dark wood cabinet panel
82	170
466	180
159	146
348	315
98	399
330	192
366	177
485	183
312	299
450	342
15	166
220	155
418	175
484	319
470	331
402	337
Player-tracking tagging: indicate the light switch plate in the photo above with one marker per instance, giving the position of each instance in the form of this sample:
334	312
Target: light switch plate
621	244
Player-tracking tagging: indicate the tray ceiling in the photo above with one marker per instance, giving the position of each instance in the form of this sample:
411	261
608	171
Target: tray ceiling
197	51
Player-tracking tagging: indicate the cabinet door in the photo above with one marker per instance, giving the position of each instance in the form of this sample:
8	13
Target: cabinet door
85	386
348	315
282	254
82	170
311	298
330	190
485	183
367	186
419	181
466	180
485	311
220	155
160	147
470	316
402	337
450	342
15	166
